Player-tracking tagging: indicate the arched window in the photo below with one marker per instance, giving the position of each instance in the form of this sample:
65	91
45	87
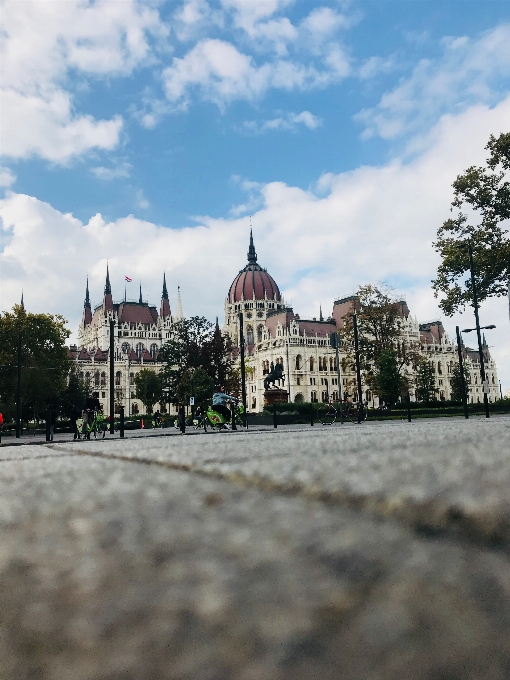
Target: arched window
125	347
299	363
313	397
154	350
134	408
131	378
312	363
334	396
260	330
325	363
320	363
103	379
331	364
249	335
139	349
118	376
298	399
96	379
439	368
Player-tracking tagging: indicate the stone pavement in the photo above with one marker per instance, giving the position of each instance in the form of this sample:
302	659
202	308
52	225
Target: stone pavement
373	552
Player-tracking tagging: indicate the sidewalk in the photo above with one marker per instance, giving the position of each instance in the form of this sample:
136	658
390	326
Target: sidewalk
368	552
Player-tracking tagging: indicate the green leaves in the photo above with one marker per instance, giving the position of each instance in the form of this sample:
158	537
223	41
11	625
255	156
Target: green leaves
45	362
196	344
487	192
148	388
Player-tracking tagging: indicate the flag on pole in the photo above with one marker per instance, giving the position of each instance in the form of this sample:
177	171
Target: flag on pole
128	279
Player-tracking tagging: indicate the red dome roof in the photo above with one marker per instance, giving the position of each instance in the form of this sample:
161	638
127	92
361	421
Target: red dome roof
253	281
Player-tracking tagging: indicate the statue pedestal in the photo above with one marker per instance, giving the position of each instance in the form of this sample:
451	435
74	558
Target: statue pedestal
275	397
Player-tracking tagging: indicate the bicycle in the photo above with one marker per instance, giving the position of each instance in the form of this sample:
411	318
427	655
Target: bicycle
327	414
351	412
98	426
216	420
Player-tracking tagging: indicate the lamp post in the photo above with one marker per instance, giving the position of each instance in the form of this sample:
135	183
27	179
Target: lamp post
335	342
358	369
112	376
243	368
485	382
477	322
462	381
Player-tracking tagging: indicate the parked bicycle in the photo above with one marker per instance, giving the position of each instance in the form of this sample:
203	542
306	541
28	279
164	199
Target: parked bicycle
97	427
217	421
327	414
351	411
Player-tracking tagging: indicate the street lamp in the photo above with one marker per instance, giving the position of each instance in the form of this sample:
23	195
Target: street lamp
485	382
477	327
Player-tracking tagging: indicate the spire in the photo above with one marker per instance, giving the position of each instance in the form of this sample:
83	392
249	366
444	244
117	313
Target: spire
107	288
321	318
87	311
164	310
22	303
252	255
484	341
140	298
178	314
87	296
217	324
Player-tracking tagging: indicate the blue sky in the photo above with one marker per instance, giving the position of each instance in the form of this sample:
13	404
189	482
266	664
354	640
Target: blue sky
147	133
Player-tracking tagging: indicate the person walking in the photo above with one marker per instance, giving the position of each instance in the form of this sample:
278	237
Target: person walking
76	412
181	419
53	422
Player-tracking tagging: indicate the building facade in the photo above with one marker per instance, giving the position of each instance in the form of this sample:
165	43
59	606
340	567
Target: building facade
273	334
139	332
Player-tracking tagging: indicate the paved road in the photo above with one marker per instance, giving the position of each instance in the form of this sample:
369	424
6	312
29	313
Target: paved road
378	552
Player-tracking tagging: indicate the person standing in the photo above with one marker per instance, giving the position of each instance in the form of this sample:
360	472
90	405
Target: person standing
75	414
181	419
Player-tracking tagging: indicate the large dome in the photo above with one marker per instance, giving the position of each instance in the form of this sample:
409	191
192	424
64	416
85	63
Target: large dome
253	281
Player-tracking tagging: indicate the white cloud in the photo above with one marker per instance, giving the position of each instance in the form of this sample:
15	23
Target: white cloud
285	121
45	126
374	66
7	177
42	42
120	171
370	224
141	201
220	73
470	71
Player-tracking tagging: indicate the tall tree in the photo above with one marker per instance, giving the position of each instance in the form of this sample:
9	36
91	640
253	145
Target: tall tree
425	382
380	323
148	388
456	382
195	382
485	193
197	343
45	362
387	381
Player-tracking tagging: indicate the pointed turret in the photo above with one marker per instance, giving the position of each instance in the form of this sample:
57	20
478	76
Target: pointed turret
22	303
321	318
140	300
107	287
107	300
252	255
165	302
87	311
178	314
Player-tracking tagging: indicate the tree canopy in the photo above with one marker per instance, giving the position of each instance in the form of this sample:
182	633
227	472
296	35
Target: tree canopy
44	360
485	193
196	343
148	386
380	320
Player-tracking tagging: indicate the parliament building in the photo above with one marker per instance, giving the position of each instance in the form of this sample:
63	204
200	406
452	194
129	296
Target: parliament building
273	334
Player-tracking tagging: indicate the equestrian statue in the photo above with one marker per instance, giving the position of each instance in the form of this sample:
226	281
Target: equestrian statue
275	373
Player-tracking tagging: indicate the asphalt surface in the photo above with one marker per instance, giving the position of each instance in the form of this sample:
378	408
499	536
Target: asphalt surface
377	551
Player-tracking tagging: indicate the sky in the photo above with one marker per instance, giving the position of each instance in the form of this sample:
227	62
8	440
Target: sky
152	134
